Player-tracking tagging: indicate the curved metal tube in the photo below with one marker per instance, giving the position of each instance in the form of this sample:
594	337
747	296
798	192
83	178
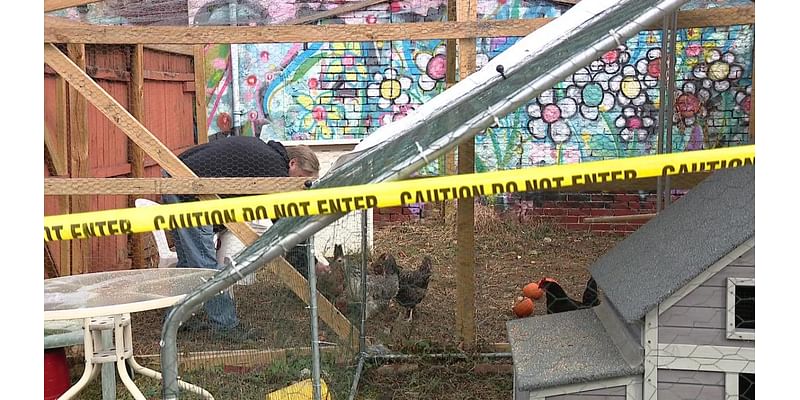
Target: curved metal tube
531	66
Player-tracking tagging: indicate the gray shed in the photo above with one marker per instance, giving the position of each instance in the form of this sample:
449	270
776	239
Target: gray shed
676	318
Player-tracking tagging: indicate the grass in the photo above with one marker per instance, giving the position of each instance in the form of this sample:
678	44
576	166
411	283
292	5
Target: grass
511	249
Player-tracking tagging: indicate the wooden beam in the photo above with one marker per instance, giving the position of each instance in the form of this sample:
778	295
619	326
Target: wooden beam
708	17
56	31
171	48
53	5
169	76
62	140
139	186
135	153
620	218
50	268
752	128
466	10
106	104
349	7
53	152
200	101
282	33
78	153
243	358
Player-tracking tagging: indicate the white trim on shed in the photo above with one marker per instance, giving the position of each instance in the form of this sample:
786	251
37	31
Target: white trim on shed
632	388
730	306
650	339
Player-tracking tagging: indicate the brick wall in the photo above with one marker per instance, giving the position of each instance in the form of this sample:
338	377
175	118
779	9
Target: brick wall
565	209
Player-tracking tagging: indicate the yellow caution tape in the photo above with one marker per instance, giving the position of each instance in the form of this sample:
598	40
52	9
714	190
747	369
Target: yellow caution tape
387	194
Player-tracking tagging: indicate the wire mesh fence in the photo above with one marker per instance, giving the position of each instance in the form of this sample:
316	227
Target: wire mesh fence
713	106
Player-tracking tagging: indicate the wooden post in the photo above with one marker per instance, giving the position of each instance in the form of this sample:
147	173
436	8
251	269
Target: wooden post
62	146
78	156
135	153
447	209
752	127
466	10
201	115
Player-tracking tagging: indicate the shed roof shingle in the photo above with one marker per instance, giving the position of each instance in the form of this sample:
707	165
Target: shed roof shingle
564	348
687	237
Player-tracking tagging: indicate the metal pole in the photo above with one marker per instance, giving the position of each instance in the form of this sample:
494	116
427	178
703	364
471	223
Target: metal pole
235	104
357	377
673	28
362	334
362	338
437	356
312	284
661	109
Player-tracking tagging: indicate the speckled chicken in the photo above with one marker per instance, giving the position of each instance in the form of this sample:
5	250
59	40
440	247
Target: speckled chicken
332	283
413	286
383	285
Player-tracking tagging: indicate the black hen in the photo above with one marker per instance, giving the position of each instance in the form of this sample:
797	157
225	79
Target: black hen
557	300
413	286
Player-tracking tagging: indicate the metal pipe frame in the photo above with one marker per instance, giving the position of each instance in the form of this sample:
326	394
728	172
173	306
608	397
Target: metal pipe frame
456	106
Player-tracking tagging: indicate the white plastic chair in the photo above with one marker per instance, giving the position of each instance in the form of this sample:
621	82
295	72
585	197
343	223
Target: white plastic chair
166	257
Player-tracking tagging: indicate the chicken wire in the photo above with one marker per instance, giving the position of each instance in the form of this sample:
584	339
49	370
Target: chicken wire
397	150
745	379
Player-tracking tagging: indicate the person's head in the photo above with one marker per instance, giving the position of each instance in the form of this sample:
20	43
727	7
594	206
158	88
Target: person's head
302	162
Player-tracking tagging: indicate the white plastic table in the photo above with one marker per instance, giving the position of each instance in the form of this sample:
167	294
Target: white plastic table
104	301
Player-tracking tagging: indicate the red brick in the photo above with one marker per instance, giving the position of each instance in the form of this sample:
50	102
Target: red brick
554	211
599	227
549	204
396	217
577	227
406	211
578	211
568	219
600	212
623	211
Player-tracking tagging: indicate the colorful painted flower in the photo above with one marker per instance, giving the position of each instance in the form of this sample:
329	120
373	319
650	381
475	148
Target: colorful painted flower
629	89
252	81
542	154
434	67
391	89
690	103
339	69
649	68
592	90
744	100
718	71
548	117
318	112
633	122
611	61
694	50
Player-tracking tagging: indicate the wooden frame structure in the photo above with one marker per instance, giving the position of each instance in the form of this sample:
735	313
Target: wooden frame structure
83	90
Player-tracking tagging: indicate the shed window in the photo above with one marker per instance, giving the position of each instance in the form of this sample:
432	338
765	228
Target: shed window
747	386
741	302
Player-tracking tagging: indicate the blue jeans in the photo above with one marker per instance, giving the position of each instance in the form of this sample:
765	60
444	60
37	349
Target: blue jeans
195	248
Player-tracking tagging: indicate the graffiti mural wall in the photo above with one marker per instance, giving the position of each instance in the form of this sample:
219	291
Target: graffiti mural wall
608	109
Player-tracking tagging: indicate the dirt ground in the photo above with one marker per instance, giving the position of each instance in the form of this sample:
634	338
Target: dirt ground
510	252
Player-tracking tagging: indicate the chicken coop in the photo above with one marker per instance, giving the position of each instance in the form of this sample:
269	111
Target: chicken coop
669	324
129	85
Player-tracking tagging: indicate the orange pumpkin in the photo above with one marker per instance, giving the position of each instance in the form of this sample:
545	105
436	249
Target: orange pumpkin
523	307
532	290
